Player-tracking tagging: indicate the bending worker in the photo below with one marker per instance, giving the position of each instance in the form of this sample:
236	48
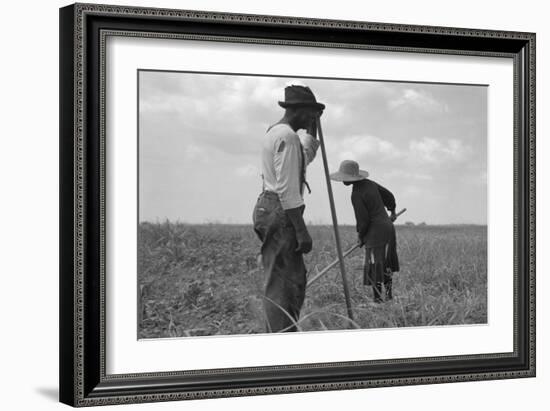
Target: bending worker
375	228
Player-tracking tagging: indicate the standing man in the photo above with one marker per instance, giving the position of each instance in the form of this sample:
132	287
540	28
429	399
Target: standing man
278	214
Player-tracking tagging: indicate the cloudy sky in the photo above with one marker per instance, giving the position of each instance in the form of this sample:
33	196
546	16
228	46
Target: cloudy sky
200	138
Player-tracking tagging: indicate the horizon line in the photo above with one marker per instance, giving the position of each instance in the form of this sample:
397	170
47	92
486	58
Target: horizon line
307	223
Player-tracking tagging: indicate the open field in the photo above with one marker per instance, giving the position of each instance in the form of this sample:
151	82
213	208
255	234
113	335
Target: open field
204	280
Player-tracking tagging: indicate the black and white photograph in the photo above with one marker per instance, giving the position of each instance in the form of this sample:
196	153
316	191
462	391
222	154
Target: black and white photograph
256	204
271	204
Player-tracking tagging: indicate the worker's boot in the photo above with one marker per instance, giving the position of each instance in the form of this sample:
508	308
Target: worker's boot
388	285
377	291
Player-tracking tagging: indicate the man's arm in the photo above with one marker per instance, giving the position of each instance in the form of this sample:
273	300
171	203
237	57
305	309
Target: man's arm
287	170
310	143
310	146
287	161
388	199
305	243
362	216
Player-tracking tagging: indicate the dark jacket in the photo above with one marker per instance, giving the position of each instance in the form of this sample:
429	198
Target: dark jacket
369	201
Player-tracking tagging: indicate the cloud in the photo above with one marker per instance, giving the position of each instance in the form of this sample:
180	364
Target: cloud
357	147
409	175
218	113
439	151
247	170
193	152
196	123
416	99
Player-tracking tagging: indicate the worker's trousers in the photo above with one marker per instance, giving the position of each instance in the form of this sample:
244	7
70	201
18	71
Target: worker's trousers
284	268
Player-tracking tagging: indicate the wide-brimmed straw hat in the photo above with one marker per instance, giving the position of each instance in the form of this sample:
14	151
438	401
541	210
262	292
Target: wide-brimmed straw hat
300	96
349	172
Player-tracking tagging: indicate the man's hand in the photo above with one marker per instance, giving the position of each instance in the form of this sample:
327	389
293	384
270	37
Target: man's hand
393	216
360	241
303	238
305	243
312	128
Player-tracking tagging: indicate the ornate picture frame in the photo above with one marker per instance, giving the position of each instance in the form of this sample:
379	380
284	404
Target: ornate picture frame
84	378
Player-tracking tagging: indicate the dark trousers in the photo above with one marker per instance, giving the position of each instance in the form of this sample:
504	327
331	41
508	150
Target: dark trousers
284	268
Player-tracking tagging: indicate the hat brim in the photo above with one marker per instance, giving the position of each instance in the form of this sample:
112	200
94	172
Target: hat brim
285	104
339	176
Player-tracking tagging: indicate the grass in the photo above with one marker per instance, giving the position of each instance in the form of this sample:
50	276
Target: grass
205	280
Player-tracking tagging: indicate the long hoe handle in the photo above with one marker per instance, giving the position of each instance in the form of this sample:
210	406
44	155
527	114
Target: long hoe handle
334	221
331	265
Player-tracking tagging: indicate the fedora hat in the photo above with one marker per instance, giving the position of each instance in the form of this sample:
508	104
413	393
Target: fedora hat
349	171
300	96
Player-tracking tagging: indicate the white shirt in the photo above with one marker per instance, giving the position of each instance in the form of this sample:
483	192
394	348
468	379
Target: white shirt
282	162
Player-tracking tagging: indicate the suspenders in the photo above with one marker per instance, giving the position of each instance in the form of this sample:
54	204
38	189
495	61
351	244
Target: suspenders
303	181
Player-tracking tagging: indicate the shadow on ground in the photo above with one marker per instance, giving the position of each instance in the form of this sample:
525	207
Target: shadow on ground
51	393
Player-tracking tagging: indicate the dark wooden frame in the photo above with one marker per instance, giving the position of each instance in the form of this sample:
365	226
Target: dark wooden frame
83	29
